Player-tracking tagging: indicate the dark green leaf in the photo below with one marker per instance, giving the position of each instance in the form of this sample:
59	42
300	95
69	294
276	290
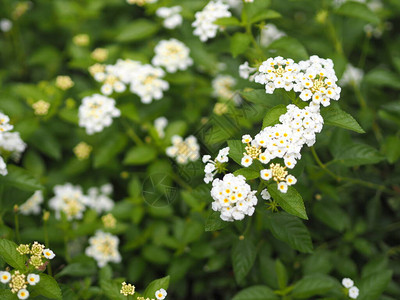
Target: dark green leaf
10	255
214	222
383	78
243	257
359	154
248	173
79	269
272	116
372	286
332	215
155	285
312	285
237	148
257	292
109	149
281	274
334	116
48	287
359	11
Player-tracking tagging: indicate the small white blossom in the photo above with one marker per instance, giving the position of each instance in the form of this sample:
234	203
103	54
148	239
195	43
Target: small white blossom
171	16
97	112
351	75
5	25
161	294
12	142
347	283
353	292
23	294
32	205
184	150
103	247
160	124
211	168
33	278
265	194
48	253
4	123
99	200
245	70
269	34
3	167
172	55
5	276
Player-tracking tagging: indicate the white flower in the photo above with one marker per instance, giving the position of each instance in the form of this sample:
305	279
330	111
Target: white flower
246	161
245	70
265	194
5	276
103	247
3	167
48	253
12	142
210	168
233	197
351	75
5	25
204	23
161	294
100	201
246	139
184	150
172	55
148	84
33	278
23	294
206	158
282	187
347	283
97	112
160	124
266	174
353	292
70	200
4	123
32	205
291	180
171	16
269	34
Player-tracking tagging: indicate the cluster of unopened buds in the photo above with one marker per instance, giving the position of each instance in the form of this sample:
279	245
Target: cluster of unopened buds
19	281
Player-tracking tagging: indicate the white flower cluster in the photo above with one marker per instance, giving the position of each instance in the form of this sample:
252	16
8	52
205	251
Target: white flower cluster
279	175
171	16
97	112
144	80
19	281
352	289
184	150
9	142
285	140
12	142
32	205
103	247
233	197
213	166
71	200
172	55
204	23
351	76
315	78
223	87
269	34
99	198
160	124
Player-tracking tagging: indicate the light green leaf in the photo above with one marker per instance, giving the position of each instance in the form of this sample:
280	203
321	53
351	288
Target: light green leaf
264	15
155	285
248	173
289	47
391	148
281	274
21	179
257	292
239	43
48	287
312	285
272	116
7	295
137	30
383	78
243	257
8	251
111	289
358	10
334	116
140	155
359	154
79	269
291	230
259	96
291	201
228	21
214	222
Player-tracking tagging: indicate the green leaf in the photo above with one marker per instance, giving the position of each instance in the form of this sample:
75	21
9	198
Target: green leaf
243	257
383	78
155	285
291	230
248	173
332	215
8	251
257	292
289	47
391	148
281	274
359	154
109	149
239	43
21	179
264	15
334	116
7	295
312	285
372	286
228	21
359	11
291	201
272	116
214	222
48	287
46	143
79	269
137	30
111	289
140	155
237	148
259	96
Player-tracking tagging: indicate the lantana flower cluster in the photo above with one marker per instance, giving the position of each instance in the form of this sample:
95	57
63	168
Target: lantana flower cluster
129	289
103	247
213	167
184	150
19	281
71	200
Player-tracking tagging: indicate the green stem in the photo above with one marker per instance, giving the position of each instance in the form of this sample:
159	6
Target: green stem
323	167
181	182
132	134
334	36
253	40
16	220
